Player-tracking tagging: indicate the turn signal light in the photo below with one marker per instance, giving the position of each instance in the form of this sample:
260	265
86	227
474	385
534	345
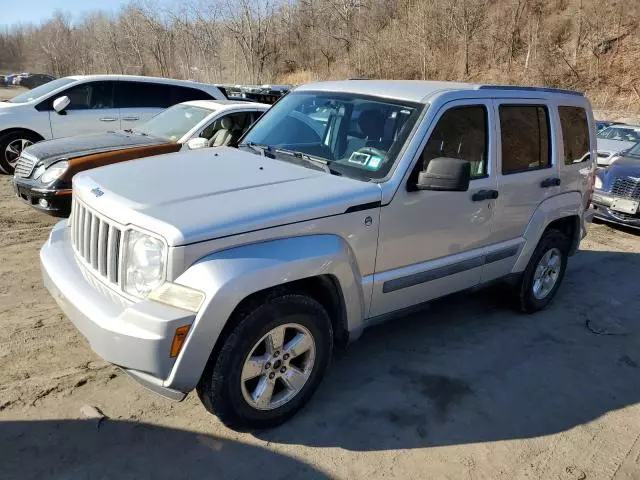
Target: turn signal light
178	340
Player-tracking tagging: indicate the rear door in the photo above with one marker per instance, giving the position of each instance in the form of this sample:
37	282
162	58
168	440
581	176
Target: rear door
139	101
92	110
527	164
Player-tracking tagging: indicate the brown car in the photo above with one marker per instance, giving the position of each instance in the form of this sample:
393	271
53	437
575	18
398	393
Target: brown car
43	174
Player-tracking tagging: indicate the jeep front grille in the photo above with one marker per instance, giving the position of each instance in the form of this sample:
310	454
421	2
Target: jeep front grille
24	166
627	188
96	241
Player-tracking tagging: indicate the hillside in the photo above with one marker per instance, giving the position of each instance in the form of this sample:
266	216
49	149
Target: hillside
589	45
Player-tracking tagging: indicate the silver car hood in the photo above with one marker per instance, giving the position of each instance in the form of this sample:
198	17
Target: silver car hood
200	195
606	145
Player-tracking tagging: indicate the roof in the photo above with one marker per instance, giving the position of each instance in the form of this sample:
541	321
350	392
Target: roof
220	104
415	90
143	78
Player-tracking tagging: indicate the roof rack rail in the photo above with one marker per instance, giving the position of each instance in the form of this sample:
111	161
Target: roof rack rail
531	89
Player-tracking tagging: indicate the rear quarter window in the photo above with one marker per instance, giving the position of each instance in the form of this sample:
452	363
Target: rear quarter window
575	134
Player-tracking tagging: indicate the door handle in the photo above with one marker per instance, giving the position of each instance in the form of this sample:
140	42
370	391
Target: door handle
131	119
107	119
481	195
550	182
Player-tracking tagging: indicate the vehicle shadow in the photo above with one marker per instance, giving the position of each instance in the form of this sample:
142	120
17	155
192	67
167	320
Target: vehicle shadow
78	449
470	370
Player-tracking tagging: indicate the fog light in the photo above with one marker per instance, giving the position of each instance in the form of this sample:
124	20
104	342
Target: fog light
178	340
43	202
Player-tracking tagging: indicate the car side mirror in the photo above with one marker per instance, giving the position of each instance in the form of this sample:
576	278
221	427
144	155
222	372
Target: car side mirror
196	143
60	103
445	174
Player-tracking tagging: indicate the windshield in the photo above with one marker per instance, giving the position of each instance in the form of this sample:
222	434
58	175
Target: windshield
634	151
627	134
358	136
174	122
41	90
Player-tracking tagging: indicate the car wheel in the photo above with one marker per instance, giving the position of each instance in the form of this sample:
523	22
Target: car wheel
11	145
544	272
270	364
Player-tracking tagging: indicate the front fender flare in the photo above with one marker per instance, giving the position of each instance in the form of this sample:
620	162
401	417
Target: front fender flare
229	276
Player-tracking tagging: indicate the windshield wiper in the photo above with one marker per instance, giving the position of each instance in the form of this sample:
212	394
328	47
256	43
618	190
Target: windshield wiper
264	150
317	162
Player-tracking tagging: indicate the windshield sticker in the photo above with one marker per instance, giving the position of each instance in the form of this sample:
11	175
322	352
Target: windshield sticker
374	162
359	158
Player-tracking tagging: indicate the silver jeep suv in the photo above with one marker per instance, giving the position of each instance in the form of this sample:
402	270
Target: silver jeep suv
237	272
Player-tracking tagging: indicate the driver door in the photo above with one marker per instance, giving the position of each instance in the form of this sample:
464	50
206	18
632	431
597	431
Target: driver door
91	111
430	241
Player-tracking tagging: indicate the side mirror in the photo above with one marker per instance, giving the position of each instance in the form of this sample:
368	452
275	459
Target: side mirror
445	174
196	143
60	103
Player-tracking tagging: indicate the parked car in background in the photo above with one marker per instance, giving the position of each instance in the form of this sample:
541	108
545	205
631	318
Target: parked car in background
34	80
88	104
614	140
239	276
44	171
602	124
617	190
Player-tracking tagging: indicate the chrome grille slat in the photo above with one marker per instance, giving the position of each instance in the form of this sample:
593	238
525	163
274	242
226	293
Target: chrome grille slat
102	247
627	188
24	167
96	241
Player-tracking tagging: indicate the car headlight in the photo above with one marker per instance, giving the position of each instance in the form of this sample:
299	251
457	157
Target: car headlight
598	183
53	172
39	171
144	263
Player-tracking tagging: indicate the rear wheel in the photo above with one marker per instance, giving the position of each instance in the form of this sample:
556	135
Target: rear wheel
270	364
11	146
544	273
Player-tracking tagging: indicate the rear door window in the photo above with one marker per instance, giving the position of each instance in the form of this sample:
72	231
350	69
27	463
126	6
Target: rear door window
186	94
525	135
575	134
143	95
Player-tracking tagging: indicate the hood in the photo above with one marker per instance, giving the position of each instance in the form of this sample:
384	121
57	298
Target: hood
50	151
621	168
606	145
4	104
205	194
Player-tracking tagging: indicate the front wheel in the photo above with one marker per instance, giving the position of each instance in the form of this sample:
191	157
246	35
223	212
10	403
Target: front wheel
544	273
11	146
270	364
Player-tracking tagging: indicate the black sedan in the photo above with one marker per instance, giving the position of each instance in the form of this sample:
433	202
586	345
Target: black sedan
617	190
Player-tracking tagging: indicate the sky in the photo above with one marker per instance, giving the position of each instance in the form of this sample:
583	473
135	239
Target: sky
36	11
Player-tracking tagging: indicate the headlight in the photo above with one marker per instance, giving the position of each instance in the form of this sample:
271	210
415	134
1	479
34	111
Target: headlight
39	171
144	263
54	171
598	183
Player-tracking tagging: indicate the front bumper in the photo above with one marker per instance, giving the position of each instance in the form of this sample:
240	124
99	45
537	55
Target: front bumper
600	206
136	336
58	200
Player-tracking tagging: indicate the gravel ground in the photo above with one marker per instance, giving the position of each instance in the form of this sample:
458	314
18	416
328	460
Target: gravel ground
467	389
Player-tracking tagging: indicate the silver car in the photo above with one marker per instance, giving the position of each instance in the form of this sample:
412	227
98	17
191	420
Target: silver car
237	272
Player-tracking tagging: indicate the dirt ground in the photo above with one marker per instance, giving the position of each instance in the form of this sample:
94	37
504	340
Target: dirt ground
465	390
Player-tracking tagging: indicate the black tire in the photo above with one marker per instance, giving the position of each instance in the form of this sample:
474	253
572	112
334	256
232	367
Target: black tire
6	139
219	388
527	301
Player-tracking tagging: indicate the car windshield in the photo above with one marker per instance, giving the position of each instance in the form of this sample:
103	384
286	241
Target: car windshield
174	122
627	134
42	90
634	151
354	135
